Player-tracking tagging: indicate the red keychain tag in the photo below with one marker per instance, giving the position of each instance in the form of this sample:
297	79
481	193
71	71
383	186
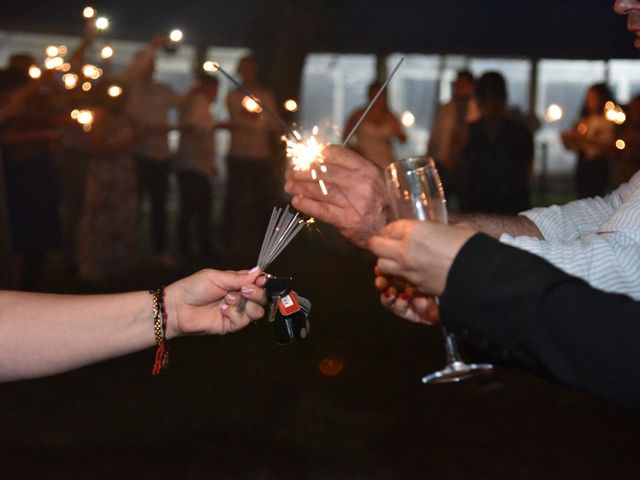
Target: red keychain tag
288	305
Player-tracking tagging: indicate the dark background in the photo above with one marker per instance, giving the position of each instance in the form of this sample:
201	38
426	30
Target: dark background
543	28
240	407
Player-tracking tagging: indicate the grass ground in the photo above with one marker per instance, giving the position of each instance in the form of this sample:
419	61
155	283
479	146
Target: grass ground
240	407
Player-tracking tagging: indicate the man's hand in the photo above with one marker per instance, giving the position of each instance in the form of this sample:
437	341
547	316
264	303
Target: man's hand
419	252
356	202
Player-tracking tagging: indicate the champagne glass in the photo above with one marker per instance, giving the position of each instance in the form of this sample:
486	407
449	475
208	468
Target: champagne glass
415	192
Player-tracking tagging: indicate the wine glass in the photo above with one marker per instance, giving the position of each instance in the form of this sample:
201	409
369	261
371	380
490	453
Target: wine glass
415	192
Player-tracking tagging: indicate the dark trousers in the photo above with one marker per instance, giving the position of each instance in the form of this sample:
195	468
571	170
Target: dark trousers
153	179
592	177
195	208
249	199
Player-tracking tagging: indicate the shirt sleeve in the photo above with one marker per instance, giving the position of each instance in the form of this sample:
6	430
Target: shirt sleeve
524	311
595	239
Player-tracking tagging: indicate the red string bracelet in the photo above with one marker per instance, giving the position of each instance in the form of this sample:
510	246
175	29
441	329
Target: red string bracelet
161	360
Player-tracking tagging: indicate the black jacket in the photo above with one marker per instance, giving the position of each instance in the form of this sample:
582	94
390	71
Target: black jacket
515	305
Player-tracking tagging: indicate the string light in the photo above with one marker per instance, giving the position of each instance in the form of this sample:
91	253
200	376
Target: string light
70	80
291	105
176	35
51	51
554	113
114	91
102	23
89	12
35	72
106	52
408	119
52	63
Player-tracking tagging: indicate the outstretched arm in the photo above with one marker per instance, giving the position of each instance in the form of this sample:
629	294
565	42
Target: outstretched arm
44	334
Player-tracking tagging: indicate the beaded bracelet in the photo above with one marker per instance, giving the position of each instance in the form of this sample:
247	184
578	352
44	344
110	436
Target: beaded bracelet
161	361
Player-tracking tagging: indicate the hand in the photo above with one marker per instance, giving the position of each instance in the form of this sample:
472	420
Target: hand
405	301
356	203
204	302
419	252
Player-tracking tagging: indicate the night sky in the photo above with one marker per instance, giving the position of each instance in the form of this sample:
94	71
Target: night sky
543	28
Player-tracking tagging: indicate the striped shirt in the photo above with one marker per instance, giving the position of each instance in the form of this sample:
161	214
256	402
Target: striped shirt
596	239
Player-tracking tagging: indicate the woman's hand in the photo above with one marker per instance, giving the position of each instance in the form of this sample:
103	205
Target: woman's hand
204	303
405	301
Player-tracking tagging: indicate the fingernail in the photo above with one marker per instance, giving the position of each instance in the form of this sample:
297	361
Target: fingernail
288	185
224	306
247	290
254	269
405	296
230	296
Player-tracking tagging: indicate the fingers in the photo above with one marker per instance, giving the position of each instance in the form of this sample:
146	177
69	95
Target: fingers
390	268
417	309
318	209
254	293
385	248
398	229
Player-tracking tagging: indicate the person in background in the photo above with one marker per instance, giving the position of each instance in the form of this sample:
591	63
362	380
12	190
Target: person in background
449	126
28	134
627	160
195	165
46	334
108	240
374	137
592	138
150	103
251	161
494	167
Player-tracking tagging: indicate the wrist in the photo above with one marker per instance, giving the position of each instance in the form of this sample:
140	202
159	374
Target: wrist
171	306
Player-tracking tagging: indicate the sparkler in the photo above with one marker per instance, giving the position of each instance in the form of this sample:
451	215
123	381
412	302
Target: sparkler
283	227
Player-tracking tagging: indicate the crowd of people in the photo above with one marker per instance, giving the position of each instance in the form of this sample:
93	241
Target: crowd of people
80	186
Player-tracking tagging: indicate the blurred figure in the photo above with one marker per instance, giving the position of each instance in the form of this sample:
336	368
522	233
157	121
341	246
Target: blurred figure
627	160
496	160
27	133
448	126
592	138
376	132
195	165
252	161
72	158
107	242
150	102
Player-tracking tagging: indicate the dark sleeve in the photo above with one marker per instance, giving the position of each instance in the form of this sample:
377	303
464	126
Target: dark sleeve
515	305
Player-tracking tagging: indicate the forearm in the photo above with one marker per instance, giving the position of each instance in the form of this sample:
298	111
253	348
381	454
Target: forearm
43	334
496	225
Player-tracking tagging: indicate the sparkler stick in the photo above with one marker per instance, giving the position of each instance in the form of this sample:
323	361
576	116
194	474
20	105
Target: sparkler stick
373	100
282	229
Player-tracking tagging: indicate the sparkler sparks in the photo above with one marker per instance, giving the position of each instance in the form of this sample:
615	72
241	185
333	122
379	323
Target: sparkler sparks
306	154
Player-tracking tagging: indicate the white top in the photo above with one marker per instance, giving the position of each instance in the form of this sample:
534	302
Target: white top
251	133
149	105
373	141
596	239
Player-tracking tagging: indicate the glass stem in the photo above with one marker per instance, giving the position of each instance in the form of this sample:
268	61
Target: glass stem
451	347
